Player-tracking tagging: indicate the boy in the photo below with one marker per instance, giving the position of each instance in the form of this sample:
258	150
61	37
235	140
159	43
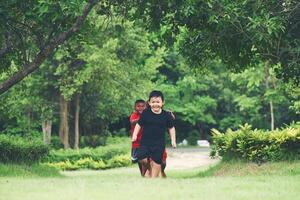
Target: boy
154	121
139	106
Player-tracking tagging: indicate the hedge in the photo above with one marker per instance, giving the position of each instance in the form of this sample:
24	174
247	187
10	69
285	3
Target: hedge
115	154
89	163
257	145
15	149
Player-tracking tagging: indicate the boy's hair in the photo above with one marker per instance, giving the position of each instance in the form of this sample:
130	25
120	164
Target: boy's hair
156	93
139	101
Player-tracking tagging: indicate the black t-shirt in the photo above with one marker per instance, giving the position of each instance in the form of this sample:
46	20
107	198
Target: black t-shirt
155	126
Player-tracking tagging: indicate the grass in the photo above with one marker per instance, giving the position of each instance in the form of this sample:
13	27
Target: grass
23	170
225	181
243	168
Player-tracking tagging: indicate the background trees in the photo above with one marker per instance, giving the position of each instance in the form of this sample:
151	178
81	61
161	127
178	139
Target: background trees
219	63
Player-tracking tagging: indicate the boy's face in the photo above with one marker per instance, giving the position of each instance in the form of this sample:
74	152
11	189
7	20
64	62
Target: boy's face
156	104
139	107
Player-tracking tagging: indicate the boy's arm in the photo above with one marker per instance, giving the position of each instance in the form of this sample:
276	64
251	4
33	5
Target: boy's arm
135	132
173	136
171	113
134	121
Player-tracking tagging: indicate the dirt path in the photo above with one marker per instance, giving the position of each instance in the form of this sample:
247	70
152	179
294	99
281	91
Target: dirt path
187	158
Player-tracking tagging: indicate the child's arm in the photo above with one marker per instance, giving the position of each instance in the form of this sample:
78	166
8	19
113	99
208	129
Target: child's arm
135	132
134	121
171	113
173	136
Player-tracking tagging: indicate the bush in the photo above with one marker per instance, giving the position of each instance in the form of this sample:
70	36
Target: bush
257	145
121	133
15	149
119	161
89	163
193	136
92	141
56	143
115	154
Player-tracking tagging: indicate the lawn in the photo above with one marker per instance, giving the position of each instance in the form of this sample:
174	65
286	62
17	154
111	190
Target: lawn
225	181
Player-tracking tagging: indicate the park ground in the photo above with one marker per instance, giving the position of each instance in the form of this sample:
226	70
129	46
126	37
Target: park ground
191	175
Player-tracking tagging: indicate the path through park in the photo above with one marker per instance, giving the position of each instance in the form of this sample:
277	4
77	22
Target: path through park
187	158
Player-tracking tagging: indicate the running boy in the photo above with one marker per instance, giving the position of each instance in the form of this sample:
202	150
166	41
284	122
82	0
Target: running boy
155	121
139	107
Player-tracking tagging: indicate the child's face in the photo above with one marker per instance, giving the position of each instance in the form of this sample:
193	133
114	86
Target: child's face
139	107
156	104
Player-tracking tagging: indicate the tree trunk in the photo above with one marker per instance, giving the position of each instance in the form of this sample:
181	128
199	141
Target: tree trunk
64	125
61	116
268	78
77	109
47	127
272	115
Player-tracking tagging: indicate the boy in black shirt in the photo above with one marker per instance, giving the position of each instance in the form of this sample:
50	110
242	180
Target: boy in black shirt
155	122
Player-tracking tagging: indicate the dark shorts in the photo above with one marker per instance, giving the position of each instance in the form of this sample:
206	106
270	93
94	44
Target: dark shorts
134	158
154	152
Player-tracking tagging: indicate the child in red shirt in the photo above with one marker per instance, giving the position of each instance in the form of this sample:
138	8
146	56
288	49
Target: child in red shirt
139	106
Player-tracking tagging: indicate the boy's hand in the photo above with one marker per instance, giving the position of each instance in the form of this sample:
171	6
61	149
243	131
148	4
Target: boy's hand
133	138
174	144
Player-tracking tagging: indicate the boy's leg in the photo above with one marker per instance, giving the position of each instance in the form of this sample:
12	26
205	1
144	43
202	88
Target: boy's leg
142	155
163	166
156	154
156	168
134	159
141	168
145	167
148	169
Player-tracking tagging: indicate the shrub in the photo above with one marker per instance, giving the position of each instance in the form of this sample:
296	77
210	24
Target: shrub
92	141
56	143
257	145
15	149
119	161
89	163
121	133
112	155
193	136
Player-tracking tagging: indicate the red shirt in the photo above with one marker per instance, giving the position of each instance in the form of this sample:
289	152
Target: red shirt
135	116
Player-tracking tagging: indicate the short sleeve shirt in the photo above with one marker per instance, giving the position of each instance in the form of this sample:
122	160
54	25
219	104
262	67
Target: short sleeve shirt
155	127
135	116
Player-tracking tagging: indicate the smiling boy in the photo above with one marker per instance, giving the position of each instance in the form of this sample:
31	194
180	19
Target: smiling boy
155	121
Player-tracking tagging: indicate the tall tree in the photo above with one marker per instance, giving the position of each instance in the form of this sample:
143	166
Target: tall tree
32	30
236	31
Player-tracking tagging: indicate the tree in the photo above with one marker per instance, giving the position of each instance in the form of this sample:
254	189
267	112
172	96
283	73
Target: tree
34	29
238	32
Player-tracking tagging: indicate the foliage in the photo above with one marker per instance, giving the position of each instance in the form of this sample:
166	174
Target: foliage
92	141
192	138
239	32
113	154
117	147
14	149
89	163
257	145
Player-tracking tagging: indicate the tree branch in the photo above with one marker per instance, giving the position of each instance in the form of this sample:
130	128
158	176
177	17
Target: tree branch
47	50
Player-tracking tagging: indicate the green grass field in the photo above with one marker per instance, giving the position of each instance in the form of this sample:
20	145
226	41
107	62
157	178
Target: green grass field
226	181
